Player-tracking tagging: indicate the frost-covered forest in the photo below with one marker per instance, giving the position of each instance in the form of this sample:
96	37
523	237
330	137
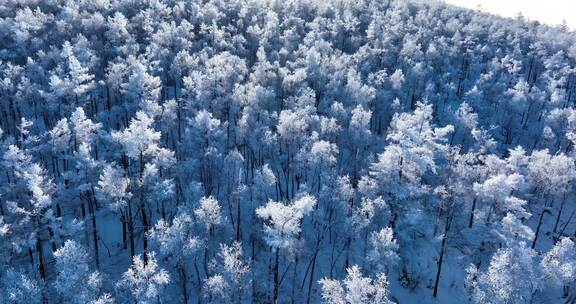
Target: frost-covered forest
284	151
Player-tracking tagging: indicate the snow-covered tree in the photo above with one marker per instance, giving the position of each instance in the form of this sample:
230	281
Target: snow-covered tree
356	289
177	244
282	227
75	283
410	137
559	264
113	186
384	250
36	218
511	277
85	129
414	150
20	288
139	139
209	212
283	221
230	278
144	282
141	86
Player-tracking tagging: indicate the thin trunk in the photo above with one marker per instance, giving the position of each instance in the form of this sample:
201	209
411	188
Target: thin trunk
94	233
276	280
144	237
178	113
442	251
206	251
30	254
294	271
559	214
198	278
131	230
206	260
124	242
83	209
52	242
143	212
347	261
238	219
253	260
41	265
311	276
567	222
472	213
184	280
453	136
538	227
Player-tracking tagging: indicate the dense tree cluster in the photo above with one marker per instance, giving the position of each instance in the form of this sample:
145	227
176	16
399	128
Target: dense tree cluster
298	151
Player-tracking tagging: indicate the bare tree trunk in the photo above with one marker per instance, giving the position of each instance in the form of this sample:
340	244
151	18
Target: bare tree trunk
206	260
52	242
294	271
143	211
253	260
310	282
539	225
559	214
94	231
145	225
123	221
442	251
567	223
184	280
198	278
41	265
472	213
238	218
131	230
276	281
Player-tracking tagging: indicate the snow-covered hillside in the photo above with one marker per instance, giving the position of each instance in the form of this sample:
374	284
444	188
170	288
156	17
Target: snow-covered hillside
284	151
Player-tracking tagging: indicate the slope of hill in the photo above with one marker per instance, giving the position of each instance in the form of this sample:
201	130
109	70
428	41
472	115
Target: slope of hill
339	151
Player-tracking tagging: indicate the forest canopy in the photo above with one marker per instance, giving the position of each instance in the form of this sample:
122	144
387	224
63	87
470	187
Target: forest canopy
297	151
